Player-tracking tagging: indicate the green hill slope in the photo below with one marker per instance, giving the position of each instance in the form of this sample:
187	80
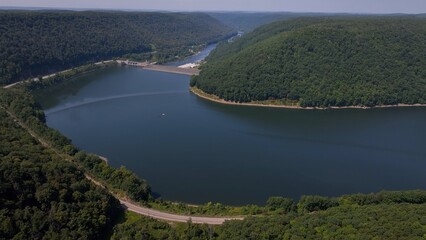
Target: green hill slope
38	43
248	21
322	62
42	196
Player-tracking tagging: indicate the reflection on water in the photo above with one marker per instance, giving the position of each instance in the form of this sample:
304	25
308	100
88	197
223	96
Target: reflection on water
284	121
197	151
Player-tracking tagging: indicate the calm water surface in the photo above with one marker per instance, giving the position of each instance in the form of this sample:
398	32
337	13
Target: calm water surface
197	151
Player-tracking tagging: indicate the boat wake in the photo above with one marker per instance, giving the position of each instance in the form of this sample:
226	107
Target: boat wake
109	98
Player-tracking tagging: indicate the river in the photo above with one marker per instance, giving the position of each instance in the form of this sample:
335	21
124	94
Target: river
196	151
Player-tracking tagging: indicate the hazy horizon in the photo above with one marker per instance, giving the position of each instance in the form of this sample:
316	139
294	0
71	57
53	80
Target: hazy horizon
326	6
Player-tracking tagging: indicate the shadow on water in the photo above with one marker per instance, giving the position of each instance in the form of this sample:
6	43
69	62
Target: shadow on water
70	87
156	195
315	126
194	150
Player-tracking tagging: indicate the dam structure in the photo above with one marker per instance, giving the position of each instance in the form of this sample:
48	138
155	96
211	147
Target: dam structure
187	69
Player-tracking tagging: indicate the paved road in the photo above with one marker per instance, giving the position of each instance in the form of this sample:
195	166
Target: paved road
127	204
169	217
173	217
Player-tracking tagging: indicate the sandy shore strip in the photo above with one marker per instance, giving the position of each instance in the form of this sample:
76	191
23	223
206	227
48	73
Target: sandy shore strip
200	93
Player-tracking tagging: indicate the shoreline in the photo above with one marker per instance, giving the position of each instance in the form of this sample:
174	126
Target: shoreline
45	77
210	97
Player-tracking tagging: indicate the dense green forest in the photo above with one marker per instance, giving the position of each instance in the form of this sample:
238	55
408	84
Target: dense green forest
44	197
248	21
322	62
34	43
44	194
385	215
20	102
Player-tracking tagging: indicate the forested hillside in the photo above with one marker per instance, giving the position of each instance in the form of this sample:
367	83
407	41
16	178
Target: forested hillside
323	62
44	197
385	215
247	21
35	43
44	193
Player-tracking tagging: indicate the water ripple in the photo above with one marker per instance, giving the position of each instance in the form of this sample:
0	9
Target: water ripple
109	98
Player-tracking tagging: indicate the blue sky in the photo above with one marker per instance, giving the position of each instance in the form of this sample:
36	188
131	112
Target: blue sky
351	6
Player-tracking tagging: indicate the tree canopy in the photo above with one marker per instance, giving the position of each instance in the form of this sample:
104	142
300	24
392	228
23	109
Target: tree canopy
34	43
322	62
44	197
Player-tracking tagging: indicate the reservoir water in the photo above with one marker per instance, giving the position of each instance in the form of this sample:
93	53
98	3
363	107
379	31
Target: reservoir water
196	151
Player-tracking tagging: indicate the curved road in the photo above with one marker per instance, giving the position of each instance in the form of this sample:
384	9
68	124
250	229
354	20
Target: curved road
173	217
169	217
127	204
